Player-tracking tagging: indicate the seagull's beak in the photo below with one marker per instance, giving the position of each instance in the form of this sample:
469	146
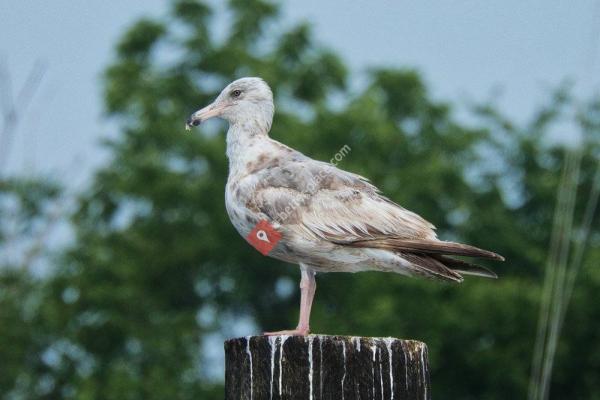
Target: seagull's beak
212	110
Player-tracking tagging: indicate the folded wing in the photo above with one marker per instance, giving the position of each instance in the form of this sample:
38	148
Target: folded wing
319	201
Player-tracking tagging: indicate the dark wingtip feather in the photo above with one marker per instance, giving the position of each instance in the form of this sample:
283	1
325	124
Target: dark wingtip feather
431	267
466	268
428	246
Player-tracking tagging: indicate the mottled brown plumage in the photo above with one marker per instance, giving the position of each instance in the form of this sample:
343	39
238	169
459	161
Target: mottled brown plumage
329	220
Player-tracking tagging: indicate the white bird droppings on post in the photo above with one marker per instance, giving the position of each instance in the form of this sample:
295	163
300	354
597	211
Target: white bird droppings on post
310	369
341	367
424	365
404	351
343	376
272	342
321	366
381	374
356	342
281	343
250	358
374	350
388	345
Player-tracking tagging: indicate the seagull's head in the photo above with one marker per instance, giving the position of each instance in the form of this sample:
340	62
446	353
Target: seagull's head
243	100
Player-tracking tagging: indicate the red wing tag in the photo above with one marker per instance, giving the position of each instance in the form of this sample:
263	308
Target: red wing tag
263	237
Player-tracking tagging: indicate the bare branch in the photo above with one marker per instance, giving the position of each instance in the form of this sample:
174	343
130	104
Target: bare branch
12	113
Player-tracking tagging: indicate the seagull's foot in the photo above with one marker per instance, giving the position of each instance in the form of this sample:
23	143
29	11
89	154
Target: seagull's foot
292	332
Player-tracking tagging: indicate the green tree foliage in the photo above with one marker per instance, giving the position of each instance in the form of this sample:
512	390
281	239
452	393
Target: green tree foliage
28	211
156	269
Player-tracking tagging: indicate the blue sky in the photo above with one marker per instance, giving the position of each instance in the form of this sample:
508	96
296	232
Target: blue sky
466	50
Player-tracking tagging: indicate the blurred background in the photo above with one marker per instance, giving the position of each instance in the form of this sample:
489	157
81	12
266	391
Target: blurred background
121	275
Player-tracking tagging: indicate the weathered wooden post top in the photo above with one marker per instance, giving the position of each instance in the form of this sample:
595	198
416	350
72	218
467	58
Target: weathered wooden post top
325	367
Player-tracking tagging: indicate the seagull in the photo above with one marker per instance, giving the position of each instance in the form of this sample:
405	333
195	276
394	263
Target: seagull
313	214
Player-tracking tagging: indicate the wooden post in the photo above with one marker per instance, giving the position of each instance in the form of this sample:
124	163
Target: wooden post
325	368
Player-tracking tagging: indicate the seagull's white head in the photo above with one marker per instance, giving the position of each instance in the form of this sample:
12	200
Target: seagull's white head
246	100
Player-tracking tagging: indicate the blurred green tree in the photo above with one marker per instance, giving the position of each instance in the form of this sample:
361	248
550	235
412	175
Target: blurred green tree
29	210
156	271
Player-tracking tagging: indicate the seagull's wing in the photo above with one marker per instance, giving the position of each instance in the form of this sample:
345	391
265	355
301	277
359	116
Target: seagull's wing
334	204
317	200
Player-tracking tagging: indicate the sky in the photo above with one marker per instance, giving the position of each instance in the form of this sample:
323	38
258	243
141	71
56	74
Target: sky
466	49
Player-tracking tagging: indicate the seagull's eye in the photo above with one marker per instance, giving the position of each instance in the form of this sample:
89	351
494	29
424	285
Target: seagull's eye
236	93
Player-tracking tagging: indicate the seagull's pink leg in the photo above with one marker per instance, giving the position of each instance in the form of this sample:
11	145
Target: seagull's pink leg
308	286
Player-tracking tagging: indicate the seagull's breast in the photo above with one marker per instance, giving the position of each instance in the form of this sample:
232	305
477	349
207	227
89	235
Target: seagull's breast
246	160
240	204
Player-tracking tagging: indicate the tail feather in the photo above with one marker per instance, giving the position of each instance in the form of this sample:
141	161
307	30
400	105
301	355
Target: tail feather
466	268
425	246
431	267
